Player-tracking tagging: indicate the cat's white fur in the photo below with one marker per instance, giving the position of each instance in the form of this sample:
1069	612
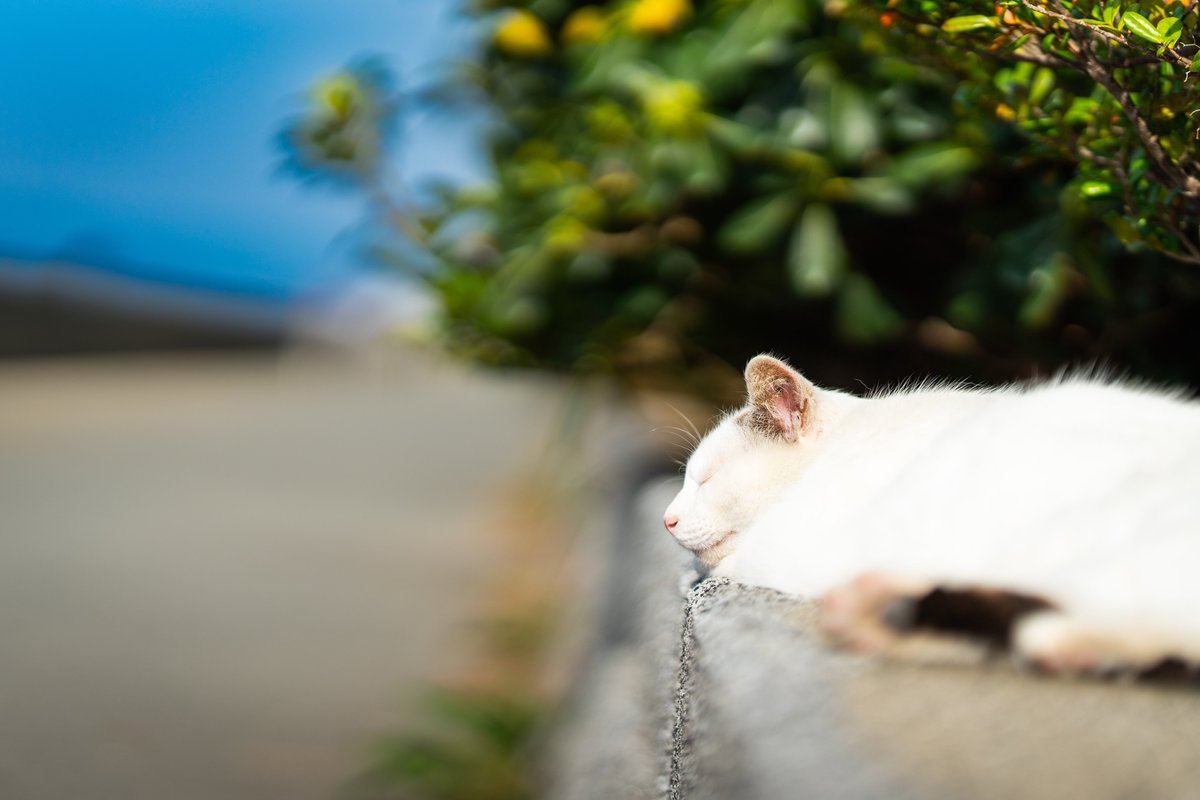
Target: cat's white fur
1078	490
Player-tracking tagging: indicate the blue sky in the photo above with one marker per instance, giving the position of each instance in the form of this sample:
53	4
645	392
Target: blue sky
147	128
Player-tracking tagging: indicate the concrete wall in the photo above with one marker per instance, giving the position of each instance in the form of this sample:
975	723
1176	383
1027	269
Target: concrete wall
724	691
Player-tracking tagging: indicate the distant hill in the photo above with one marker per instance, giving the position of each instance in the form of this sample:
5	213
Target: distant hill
57	307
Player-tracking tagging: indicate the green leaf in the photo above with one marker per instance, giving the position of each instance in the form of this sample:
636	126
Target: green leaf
705	171
1138	24
755	226
1082	111
968	310
817	255
1127	232
736	136
1048	286
1171	29
853	123
1043	83
1094	189
1110	14
969	22
882	195
1016	45
925	164
864	316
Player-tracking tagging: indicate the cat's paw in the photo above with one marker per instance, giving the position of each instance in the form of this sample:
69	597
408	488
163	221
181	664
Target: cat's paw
1062	644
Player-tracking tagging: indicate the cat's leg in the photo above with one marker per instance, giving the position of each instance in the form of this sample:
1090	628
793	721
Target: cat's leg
917	619
877	612
1062	643
870	612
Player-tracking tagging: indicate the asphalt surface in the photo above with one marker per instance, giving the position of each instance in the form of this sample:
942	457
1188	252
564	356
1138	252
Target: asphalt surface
223	577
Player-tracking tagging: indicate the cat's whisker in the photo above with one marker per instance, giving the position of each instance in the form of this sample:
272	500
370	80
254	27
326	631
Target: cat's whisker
691	437
685	418
677	444
681	436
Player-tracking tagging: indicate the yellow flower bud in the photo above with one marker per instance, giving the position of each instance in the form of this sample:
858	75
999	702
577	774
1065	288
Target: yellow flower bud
658	17
608	122
336	95
565	235
523	35
674	108
585	25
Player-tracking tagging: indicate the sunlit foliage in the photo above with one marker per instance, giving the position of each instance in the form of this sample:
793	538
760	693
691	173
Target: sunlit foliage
872	189
1109	84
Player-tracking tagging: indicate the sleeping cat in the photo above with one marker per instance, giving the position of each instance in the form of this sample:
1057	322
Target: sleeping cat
1073	504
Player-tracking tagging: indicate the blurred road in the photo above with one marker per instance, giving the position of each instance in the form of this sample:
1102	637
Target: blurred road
220	577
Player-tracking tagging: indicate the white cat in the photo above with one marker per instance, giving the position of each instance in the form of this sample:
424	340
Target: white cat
1082	494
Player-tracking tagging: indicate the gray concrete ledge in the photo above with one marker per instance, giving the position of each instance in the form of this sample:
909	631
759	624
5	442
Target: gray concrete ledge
719	690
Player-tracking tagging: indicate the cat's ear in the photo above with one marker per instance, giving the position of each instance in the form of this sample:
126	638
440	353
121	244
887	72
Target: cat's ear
781	400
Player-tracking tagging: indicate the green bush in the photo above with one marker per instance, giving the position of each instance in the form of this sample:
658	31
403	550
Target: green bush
1106	84
676	188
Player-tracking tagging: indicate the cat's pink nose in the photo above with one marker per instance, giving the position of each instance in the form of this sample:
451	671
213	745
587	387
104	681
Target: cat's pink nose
671	520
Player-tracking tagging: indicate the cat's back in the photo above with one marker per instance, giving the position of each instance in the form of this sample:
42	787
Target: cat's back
1040	476
1067	420
990	483
1080	425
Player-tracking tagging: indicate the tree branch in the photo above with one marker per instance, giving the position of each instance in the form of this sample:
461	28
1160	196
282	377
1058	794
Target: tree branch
1075	25
1041	58
1188	185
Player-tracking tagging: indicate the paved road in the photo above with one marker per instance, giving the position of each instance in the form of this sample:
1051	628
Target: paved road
220	577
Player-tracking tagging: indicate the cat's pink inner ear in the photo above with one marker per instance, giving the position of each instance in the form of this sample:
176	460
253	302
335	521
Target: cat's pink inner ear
788	410
780	397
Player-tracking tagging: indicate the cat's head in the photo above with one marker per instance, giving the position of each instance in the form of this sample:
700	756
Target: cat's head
745	462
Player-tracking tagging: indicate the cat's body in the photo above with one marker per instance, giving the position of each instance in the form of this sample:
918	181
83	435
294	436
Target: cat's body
1078	491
